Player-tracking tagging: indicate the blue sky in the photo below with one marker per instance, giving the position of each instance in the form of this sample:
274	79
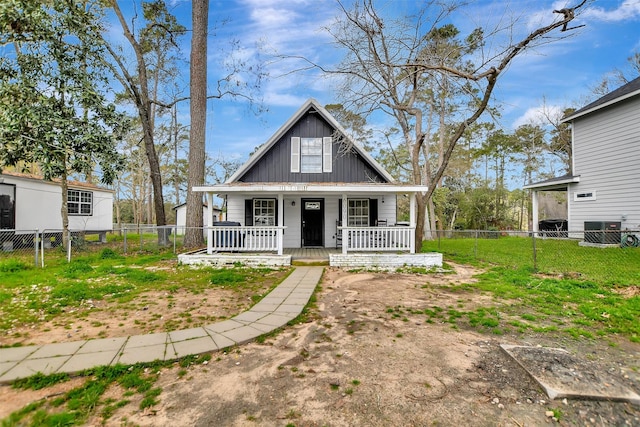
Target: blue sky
558	75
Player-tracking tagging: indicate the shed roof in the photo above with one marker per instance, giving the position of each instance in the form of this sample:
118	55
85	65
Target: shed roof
55	181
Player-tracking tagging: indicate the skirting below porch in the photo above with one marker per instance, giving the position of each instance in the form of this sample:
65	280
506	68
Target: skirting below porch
368	260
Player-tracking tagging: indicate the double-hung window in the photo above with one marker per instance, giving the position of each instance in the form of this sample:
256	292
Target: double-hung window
358	213
79	202
311	155
264	212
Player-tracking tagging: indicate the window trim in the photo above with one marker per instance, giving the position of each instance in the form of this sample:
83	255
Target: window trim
362	216
325	154
583	196
255	217
80	202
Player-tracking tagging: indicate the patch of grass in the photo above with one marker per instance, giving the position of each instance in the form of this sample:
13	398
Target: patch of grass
13	266
39	381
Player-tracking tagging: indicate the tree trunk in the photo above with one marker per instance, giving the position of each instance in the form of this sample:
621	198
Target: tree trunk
198	73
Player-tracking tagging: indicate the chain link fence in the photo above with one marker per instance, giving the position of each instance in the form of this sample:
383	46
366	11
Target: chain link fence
599	255
604	256
38	246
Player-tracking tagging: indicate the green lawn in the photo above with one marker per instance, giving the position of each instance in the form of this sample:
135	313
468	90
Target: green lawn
582	291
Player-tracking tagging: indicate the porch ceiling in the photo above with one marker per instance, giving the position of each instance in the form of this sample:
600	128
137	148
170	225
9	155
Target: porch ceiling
307	188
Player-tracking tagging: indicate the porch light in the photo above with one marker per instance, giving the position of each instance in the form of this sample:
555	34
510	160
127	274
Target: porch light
293	203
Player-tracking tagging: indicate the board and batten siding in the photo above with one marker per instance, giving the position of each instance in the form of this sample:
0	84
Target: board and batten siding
275	164
607	159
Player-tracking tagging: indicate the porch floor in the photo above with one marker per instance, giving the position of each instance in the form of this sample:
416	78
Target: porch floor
310	254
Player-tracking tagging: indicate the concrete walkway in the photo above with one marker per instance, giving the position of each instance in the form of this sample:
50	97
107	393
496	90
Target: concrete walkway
280	306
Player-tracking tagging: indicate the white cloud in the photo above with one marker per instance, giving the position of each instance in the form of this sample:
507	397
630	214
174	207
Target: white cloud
538	115
627	10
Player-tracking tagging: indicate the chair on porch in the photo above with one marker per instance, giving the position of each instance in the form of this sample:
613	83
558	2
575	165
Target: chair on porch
380	237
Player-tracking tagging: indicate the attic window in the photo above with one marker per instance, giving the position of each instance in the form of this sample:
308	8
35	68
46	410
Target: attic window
311	155
585	195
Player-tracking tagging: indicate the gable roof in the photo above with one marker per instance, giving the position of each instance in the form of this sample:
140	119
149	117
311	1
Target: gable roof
309	104
629	90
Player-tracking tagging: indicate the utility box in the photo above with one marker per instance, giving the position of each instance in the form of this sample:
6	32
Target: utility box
603	232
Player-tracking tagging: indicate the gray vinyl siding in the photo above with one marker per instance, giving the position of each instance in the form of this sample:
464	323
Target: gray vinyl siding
607	159
275	164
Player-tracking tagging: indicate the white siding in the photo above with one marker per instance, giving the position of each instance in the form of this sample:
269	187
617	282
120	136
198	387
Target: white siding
292	215
607	159
293	222
235	208
38	205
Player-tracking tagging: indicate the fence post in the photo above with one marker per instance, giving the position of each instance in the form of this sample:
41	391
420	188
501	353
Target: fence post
35	245
535	255
125	239
475	246
69	248
42	249
175	231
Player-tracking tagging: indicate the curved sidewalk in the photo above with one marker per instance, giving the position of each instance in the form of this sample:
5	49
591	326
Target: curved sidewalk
280	306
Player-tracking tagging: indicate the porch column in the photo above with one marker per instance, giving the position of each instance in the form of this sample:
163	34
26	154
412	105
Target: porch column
345	222
534	208
280	230
412	222
209	223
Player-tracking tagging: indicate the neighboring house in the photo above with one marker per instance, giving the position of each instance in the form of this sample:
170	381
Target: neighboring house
310	186
603	188
29	203
181	216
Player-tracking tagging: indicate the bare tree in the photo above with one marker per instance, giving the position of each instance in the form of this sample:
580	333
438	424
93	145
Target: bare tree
403	68
156	37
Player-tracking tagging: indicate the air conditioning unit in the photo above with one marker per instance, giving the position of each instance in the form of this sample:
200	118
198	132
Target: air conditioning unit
602	232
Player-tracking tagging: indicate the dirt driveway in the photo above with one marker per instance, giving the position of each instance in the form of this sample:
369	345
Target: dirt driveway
368	359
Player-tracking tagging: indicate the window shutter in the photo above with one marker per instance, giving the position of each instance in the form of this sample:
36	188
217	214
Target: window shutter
327	155
248	212
373	212
340	211
295	154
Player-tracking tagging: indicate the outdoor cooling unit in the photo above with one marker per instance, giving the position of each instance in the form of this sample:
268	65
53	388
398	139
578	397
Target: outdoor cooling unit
602	232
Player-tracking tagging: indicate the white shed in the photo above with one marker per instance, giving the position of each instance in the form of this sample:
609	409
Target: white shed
29	203
181	216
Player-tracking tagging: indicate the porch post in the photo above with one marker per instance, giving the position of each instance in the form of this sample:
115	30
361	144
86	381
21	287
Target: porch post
412	222
345	222
209	223
280	230
534	208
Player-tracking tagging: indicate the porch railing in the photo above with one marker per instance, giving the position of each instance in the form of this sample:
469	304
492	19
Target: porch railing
244	239
378	238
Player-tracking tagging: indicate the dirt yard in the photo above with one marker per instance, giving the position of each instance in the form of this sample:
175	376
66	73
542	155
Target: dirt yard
366	359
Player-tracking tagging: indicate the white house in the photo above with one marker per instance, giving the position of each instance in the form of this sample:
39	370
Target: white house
29	203
602	190
311	186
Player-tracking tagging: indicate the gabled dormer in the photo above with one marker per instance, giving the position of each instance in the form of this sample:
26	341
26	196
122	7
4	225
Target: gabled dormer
311	147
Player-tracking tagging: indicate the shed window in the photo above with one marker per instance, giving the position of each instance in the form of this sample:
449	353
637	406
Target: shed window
358	213
79	202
